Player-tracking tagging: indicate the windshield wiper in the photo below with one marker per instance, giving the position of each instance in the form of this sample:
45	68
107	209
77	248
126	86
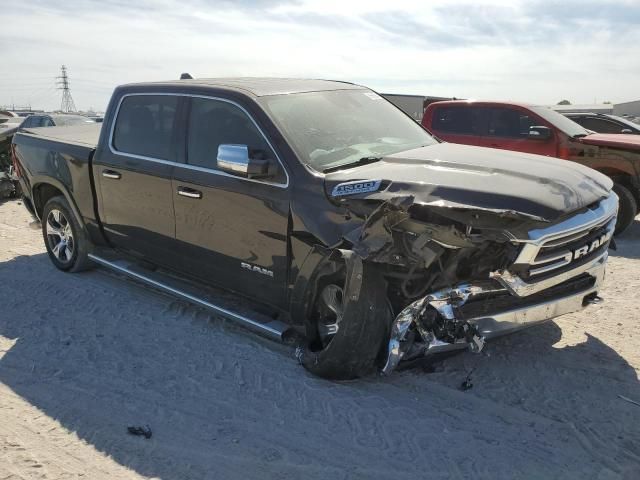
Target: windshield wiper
356	163
580	135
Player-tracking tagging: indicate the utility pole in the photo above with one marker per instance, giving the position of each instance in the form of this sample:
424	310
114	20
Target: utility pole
67	104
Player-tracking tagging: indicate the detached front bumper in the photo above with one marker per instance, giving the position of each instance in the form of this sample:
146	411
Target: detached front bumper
496	308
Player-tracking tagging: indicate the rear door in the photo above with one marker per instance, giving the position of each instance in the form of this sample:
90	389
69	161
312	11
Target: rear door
456	123
133	176
232	230
508	128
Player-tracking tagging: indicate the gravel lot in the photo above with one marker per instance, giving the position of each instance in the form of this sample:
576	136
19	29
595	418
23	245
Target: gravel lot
82	356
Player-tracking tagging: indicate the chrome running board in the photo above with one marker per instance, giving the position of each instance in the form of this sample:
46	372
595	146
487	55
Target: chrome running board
262	324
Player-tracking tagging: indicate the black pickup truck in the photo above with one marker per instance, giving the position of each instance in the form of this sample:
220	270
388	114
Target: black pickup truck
325	211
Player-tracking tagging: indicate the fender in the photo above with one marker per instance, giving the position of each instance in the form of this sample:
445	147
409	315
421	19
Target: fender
38	180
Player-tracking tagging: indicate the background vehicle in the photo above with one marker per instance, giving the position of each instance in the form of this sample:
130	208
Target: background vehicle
604	123
540	130
55	120
9	124
332	213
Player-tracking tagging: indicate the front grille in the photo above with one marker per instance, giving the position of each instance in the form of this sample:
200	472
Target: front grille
561	247
564	253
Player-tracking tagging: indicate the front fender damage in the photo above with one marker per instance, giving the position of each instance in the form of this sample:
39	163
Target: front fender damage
436	259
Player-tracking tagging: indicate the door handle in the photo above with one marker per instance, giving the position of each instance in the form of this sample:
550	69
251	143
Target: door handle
111	174
189	192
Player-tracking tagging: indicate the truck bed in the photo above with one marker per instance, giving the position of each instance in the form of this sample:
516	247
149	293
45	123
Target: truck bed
58	156
80	135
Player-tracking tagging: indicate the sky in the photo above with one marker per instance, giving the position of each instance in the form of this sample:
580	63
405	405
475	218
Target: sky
585	51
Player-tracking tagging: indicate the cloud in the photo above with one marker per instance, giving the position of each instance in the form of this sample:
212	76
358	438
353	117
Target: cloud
531	51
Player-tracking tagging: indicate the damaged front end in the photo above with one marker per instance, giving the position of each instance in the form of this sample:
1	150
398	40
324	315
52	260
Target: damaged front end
458	276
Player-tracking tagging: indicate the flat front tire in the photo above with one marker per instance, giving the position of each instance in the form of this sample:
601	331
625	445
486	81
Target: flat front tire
66	241
349	335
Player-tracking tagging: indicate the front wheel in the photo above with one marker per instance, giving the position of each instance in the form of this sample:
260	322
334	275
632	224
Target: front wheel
627	210
66	241
348	335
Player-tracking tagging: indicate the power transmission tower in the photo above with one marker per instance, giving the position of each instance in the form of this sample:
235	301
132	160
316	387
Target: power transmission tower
67	104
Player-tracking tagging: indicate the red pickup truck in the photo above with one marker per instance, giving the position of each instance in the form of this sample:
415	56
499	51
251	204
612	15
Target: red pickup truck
542	131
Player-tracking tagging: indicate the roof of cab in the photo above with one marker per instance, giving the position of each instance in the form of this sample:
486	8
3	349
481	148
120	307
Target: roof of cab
484	103
259	87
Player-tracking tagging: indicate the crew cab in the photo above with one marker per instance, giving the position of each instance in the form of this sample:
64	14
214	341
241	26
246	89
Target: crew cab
542	131
317	211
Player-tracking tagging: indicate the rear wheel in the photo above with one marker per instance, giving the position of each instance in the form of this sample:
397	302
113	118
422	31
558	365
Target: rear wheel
627	210
66	241
348	335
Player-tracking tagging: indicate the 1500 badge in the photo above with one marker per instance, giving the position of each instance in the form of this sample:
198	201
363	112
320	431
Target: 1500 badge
355	187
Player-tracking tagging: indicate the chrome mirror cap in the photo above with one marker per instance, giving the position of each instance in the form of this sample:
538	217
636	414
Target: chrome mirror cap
233	159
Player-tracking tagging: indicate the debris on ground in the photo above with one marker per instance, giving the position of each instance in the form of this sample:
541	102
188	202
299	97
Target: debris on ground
140	431
466	384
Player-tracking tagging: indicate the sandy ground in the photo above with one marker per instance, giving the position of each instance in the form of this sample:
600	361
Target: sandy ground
82	356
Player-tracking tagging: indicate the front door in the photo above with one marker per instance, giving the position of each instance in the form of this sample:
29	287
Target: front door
133	175
508	128
232	231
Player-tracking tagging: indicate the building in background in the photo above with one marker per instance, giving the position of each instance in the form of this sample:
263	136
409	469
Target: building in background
412	105
627	109
585	108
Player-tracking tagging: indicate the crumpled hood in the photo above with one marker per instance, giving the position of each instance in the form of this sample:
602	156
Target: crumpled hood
452	175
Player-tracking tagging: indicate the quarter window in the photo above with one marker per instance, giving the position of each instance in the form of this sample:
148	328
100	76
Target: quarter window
145	126
213	123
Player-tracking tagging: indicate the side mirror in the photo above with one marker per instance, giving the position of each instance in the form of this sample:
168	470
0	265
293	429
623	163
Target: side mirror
234	159
539	133
626	130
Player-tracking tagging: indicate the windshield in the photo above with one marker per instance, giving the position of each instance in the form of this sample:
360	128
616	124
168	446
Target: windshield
558	120
626	121
334	128
66	120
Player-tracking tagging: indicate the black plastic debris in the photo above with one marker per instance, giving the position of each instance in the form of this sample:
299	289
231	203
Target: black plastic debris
140	431
466	384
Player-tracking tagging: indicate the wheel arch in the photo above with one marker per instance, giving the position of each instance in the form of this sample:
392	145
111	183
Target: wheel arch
623	178
43	189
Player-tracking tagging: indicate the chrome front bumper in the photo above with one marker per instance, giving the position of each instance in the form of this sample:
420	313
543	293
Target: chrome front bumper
495	324
511	320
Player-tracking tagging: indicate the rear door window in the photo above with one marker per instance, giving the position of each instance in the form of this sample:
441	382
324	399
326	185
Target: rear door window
457	120
509	123
146	126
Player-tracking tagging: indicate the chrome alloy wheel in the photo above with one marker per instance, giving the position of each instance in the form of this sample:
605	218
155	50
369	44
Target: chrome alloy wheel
60	236
331	309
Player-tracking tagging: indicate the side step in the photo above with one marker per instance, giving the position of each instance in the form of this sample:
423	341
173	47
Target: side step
262	324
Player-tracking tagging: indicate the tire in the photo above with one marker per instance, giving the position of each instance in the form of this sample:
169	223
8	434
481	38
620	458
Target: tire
353	350
627	210
66	241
